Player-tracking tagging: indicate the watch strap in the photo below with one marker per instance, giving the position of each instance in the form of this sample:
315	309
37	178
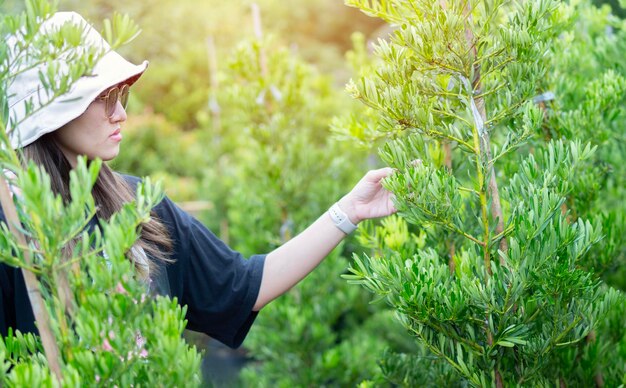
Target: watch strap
341	219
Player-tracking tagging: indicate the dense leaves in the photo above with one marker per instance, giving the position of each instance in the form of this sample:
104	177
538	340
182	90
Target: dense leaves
99	310
510	297
256	147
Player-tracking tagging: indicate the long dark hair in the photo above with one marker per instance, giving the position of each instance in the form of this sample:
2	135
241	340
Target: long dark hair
110	193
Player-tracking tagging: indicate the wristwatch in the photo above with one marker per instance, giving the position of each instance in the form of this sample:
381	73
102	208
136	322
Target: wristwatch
341	220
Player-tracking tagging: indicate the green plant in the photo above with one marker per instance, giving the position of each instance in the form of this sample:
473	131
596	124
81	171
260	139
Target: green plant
96	322
501	292
283	171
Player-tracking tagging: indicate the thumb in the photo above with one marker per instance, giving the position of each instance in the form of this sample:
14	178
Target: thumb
377	175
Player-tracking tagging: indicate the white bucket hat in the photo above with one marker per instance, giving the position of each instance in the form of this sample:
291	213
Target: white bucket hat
110	70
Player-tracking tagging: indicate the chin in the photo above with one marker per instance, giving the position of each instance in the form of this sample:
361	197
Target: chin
109	155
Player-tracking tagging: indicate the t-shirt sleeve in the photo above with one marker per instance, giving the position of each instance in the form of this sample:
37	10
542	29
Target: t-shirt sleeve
218	285
4	323
15	310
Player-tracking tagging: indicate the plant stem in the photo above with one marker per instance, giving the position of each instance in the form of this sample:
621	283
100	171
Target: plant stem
479	349
483	201
447	225
483	151
42	318
455	365
496	206
447	151
466	189
560	336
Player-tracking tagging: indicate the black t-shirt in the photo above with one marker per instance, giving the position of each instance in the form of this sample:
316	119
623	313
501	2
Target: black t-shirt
216	283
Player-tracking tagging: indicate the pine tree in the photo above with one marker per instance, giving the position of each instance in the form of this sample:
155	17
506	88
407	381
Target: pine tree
95	319
502	291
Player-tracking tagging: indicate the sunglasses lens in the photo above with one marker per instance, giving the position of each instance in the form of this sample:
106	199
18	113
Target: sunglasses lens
111	98
124	96
111	101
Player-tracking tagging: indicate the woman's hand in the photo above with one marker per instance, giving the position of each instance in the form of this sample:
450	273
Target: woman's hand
368	199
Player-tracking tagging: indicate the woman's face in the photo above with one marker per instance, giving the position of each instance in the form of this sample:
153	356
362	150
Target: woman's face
92	134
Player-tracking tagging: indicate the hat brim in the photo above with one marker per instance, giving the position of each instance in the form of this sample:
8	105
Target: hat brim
73	104
49	115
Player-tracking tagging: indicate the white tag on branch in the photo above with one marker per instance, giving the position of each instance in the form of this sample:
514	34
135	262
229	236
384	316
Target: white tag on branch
478	119
547	96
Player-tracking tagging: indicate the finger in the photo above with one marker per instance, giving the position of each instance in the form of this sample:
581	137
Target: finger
379	174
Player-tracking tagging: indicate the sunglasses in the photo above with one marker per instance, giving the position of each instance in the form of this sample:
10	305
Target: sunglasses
112	96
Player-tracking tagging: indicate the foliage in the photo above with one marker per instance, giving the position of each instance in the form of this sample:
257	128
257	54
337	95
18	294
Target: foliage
313	334
99	312
502	291
156	147
589	107
177	83
533	312
274	139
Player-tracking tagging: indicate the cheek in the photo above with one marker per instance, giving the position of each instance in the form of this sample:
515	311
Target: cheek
77	138
85	135
69	137
63	136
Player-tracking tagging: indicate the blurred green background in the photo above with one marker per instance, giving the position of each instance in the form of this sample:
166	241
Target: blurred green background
236	121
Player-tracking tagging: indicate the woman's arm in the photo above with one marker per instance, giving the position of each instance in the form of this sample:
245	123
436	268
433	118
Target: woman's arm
288	264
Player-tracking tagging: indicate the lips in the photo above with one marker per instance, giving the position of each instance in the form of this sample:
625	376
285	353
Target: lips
116	136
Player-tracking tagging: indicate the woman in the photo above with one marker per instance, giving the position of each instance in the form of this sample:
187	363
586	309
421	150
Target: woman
183	258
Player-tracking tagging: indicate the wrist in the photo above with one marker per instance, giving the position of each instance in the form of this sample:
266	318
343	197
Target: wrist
348	207
341	219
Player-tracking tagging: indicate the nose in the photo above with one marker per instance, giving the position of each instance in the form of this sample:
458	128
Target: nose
119	114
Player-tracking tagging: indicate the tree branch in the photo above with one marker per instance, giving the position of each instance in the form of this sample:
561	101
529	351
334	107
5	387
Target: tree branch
42	318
